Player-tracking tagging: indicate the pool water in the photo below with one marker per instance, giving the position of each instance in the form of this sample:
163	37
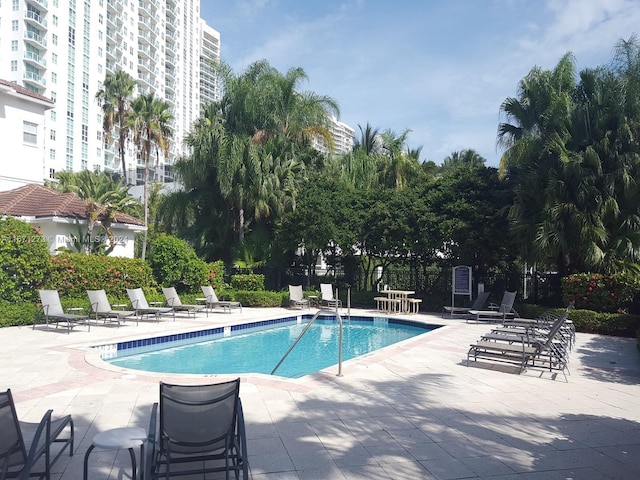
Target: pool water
259	350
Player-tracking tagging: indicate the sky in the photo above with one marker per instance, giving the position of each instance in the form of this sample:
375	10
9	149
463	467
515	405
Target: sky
440	68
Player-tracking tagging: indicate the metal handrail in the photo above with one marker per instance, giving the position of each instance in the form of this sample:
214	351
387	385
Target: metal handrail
313	319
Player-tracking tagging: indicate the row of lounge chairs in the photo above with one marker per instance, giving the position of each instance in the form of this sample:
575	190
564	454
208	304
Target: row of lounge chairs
542	342
101	309
297	299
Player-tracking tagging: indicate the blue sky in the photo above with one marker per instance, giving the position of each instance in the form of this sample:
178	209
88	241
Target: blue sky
440	68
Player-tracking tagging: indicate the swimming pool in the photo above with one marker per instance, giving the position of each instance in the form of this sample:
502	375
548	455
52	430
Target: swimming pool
258	347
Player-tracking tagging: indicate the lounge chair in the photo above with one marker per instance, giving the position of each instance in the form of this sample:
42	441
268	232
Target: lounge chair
101	307
503	312
54	313
296	298
173	300
201	431
25	446
211	300
141	306
328	300
524	349
478	304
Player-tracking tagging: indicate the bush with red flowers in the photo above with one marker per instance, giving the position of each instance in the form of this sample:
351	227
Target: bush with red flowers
600	293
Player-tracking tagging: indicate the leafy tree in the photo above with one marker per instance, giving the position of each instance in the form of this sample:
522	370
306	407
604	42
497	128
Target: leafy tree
115	98
175	264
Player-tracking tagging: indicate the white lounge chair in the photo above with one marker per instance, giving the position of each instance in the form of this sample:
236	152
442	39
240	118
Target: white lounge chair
141	306
478	304
211	300
54	313
101	307
328	300
173	300
296	297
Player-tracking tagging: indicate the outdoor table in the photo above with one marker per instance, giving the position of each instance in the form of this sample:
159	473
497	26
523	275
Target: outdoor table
400	297
116	439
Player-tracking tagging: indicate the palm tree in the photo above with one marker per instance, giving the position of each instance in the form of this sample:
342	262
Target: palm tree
468	157
149	121
115	98
103	198
368	140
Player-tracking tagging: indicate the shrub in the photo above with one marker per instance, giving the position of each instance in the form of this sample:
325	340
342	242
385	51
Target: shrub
621	325
600	293
74	273
25	260
215	274
18	313
176	264
252	298
252	282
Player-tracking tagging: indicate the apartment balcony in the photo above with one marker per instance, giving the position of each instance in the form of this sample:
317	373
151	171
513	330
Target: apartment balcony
147	37
43	4
146	23
35	39
170	87
146	8
172	10
35	78
35	59
170	74
147	81
147	66
170	98
35	19
112	6
111	35
170	62
112	19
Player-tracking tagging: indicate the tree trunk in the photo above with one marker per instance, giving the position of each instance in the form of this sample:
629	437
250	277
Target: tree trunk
146	208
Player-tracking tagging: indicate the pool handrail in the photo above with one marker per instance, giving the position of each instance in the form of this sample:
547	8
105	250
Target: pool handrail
313	319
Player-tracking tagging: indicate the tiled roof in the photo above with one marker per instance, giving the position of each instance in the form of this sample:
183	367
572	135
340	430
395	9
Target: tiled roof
37	201
26	91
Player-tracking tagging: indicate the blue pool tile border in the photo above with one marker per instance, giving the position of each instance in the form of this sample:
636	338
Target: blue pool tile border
217	331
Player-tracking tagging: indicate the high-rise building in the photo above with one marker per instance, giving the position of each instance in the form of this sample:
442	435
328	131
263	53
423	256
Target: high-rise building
63	49
343	136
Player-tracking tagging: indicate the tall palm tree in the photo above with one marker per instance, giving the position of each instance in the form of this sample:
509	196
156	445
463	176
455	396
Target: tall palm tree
149	120
115	98
368	140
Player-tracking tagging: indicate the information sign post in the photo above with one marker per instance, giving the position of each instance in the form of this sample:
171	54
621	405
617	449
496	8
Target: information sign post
461	283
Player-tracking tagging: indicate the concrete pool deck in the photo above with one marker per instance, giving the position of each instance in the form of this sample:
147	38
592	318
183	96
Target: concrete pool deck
410	411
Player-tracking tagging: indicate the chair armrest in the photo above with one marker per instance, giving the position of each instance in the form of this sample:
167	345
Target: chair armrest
151	442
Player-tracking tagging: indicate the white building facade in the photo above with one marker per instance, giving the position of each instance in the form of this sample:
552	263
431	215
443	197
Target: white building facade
343	137
22	132
63	49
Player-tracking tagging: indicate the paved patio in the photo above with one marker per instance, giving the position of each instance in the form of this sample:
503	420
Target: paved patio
411	411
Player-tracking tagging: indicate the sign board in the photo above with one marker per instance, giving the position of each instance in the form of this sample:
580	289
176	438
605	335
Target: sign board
461	282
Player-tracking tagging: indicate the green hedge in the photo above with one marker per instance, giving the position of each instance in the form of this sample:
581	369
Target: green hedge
601	293
176	264
72	274
260	298
252	282
620	325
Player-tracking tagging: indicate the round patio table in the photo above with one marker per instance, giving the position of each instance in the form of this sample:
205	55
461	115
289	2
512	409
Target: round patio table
116	439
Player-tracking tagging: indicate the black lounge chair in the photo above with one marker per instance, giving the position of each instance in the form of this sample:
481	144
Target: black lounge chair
201	430
24	445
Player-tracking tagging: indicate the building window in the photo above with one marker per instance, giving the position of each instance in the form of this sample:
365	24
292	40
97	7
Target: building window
14	25
54	39
52	134
52	171
30	132
53	115
16	5
14	65
52	156
100	51
99	135
85	133
100	20
54	77
54	58
14	45
72	36
54	96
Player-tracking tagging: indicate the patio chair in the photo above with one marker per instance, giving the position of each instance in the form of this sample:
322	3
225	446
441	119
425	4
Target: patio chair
54	313
296	298
211	300
101	307
141	306
201	430
173	300
478	304
502	312
25	446
524	349
328	300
